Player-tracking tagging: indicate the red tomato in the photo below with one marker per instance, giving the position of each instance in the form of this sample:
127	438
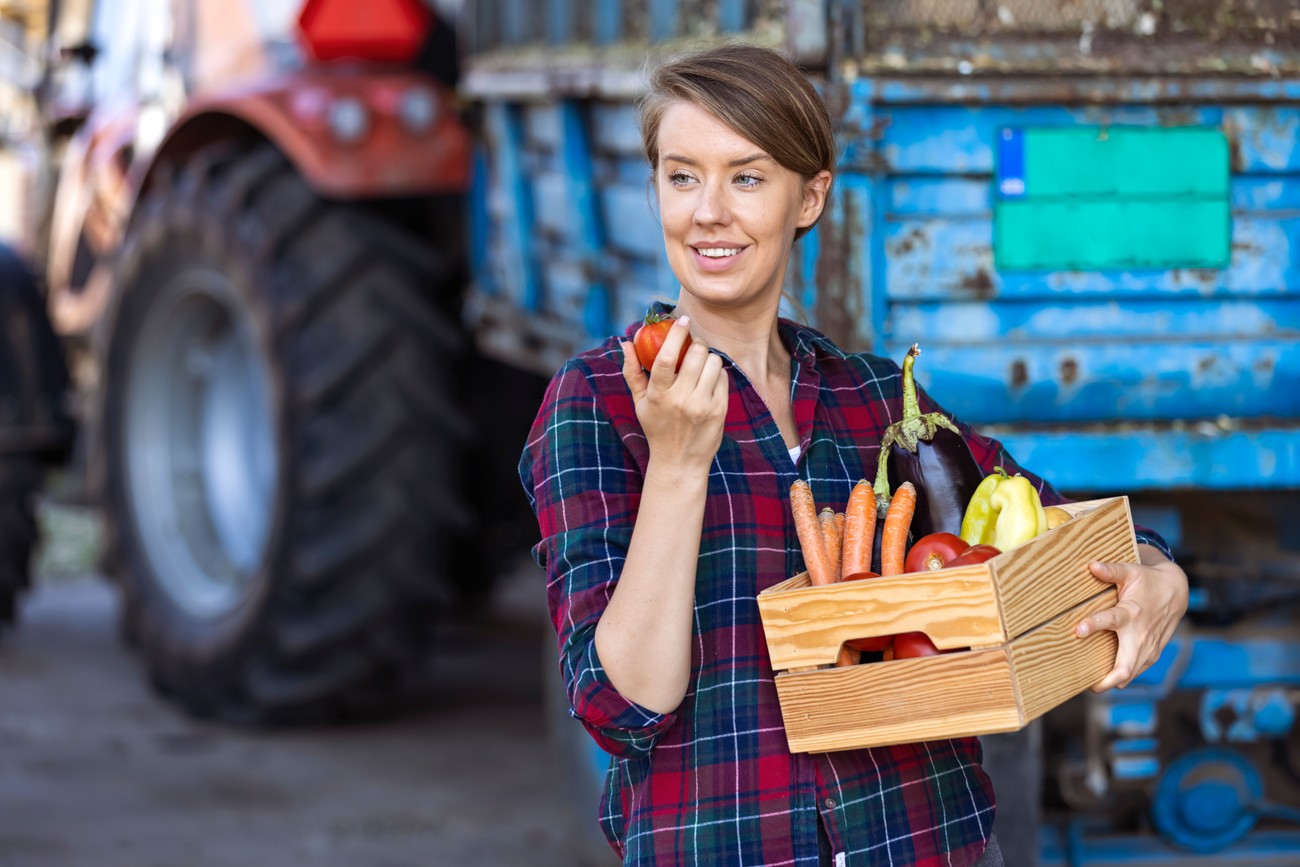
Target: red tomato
911	644
974	554
876	643
933	552
649	339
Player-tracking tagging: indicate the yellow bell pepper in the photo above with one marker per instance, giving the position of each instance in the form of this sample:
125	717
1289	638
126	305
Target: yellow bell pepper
1005	511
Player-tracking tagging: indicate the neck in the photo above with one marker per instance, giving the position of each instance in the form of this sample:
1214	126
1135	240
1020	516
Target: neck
749	336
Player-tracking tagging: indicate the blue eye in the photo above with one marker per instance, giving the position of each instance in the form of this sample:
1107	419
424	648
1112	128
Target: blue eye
677	179
748	182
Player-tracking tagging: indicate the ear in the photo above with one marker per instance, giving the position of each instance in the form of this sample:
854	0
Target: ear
815	190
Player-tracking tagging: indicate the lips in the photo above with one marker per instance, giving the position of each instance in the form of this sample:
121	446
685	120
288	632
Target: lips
716	256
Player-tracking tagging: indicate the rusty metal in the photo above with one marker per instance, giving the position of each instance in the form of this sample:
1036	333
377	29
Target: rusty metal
1251	37
979	284
838	301
1019	377
1069	371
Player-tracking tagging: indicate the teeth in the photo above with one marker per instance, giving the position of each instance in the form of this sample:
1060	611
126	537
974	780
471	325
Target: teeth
718	252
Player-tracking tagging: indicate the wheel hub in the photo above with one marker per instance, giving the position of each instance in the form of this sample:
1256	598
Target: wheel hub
200	444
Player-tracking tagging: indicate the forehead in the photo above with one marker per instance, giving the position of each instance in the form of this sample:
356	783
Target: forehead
690	130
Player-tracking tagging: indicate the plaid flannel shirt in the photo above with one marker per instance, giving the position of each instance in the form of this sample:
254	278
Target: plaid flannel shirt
714	782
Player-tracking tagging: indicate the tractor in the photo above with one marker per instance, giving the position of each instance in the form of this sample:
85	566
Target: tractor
251	219
36	431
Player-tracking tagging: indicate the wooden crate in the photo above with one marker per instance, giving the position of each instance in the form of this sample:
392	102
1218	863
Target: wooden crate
1016	613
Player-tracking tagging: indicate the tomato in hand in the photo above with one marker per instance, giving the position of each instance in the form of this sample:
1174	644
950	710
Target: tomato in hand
911	644
876	643
934	551
649	339
975	554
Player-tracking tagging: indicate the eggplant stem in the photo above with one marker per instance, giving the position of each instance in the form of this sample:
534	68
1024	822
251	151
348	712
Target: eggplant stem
911	406
914	425
881	488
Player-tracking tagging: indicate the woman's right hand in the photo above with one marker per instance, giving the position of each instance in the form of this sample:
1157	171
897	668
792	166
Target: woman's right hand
681	411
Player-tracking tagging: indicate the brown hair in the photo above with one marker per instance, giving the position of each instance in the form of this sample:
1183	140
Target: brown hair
757	92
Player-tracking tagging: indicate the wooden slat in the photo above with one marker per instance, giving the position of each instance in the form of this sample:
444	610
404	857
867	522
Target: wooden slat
806	625
1049	574
900	701
800	580
1082	507
1051	664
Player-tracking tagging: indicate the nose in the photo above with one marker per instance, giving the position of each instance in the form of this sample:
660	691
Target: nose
711	206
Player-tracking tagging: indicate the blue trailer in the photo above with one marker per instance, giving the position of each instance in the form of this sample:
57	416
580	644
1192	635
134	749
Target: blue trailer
1086	214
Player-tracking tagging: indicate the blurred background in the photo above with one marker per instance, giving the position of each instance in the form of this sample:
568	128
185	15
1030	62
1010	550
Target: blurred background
283	281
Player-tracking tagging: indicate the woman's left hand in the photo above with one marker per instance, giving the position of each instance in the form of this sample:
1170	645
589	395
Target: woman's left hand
1152	599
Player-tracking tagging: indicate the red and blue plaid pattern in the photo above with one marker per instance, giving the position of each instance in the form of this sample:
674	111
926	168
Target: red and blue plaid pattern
714	783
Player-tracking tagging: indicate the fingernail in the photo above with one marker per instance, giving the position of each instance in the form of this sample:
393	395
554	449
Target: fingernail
684	321
1081	630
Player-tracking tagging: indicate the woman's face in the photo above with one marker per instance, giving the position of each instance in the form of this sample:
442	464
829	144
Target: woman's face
729	210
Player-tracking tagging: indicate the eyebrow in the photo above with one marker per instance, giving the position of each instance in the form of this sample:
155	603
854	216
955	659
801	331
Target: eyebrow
752	158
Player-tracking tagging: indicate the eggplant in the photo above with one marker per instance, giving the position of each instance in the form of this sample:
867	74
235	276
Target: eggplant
928	450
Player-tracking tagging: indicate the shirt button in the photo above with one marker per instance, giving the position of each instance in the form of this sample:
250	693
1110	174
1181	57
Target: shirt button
830	803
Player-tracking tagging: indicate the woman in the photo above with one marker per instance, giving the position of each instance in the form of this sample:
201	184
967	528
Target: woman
662	499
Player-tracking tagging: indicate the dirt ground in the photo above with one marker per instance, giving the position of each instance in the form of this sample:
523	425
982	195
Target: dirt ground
95	770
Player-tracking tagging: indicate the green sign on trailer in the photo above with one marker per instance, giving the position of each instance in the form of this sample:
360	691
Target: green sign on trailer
1093	198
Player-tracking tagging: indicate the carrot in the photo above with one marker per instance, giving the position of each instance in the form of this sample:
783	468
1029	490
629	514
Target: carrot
809	531
859	530
893	541
848	656
832	533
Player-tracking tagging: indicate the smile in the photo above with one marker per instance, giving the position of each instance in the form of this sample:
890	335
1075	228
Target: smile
716	259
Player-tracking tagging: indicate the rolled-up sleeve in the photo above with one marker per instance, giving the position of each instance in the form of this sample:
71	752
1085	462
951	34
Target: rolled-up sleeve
585	487
989	453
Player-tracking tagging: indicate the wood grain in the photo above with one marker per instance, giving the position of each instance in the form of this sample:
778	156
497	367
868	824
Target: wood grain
900	701
806	625
1049	574
1040	590
801	580
1051	664
1082	506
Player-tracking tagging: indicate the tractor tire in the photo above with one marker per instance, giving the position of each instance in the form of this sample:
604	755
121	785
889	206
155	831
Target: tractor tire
280	443
20	477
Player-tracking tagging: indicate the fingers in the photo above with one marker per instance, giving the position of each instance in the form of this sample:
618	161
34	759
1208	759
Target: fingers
1119	677
693	364
710	372
1152	599
1114	573
664	369
1130	661
720	388
1137	650
636	378
1114	619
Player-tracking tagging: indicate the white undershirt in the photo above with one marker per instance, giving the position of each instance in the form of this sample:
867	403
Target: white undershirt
794	454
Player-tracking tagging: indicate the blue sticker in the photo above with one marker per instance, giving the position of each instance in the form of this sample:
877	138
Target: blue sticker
1011	164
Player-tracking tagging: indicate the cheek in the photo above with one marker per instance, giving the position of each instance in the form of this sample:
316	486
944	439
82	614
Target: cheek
774	221
675	214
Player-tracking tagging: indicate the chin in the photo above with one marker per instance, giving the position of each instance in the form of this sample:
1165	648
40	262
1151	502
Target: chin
731	293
